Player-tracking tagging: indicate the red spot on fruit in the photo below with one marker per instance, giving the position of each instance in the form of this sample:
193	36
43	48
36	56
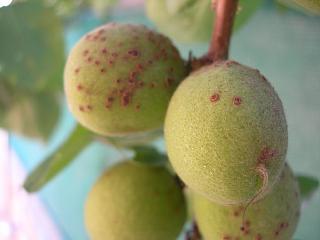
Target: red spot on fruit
114	54
111	62
258	237
89	59
169	81
104	51
79	87
276	233
97	62
236	213
85	52
266	153
215	97
226	238
77	70
237	100
134	53
102	70
81	108
125	99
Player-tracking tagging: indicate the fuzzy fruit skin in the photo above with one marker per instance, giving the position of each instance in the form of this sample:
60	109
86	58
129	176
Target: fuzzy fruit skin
224	121
119	78
273	217
132	201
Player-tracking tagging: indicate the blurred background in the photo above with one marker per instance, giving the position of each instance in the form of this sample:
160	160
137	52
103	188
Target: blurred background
281	39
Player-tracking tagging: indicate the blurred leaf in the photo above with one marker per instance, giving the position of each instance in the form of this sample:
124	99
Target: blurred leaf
307	6
58	160
148	155
192	20
308	185
31	47
32	116
175	6
102	7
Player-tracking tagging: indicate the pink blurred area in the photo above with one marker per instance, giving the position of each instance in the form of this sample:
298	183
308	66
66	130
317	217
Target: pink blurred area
131	3
22	216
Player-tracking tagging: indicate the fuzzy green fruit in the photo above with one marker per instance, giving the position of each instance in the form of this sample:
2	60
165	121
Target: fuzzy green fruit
274	217
119	79
226	132
135	202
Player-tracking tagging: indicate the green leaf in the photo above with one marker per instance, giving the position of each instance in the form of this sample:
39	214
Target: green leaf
58	160
311	7
308	185
31	47
192	20
148	155
32	116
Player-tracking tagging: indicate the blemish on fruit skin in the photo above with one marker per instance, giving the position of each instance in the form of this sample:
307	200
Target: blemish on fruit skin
258	237
125	99
214	98
138	106
77	70
134	53
102	70
89	59
85	52
79	87
97	62
89	107
104	51
237	100
266	153
226	237
114	54
81	108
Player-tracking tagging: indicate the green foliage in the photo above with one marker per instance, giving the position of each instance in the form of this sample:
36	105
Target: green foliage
192	20
31	52
31	67
308	185
148	155
311	7
58	160
32	116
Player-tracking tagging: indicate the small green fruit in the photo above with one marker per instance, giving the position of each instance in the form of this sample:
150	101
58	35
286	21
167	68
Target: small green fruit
274	217
119	79
136	202
226	132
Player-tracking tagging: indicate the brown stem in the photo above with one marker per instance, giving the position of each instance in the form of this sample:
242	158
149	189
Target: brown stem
225	14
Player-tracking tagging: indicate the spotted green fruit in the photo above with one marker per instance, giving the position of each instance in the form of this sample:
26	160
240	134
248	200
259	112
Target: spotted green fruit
119	79
226	132
274	217
132	201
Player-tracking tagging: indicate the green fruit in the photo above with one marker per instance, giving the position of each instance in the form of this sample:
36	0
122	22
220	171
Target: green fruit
226	132
192	20
274	217
119	79
137	202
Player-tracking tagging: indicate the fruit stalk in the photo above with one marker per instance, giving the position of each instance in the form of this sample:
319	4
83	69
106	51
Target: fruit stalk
225	15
